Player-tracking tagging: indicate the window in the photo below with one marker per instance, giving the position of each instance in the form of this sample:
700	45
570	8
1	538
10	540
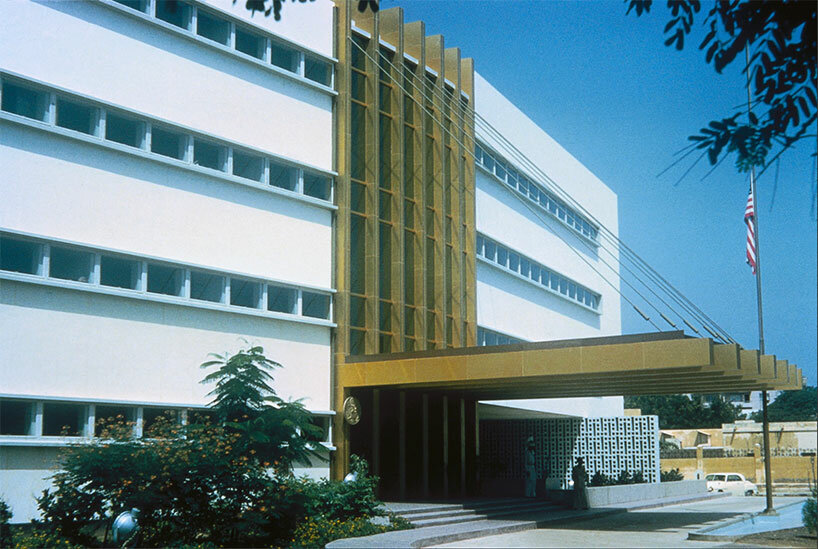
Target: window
502	256
139	5
209	154
212	27
63	419
538	274
68	264
165	280
284	57
206	286
153	417
283	176
15	417
20	256
314	305
168	143
490	250
733	478
109	416
124	130
535	273
317	186
357	311
76	116
513	262
24	101
250	43
119	273
175	12
248	166
244	293
533	192
282	300
490	337
317	70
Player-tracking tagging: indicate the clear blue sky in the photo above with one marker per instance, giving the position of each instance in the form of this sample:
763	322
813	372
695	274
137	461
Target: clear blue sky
604	85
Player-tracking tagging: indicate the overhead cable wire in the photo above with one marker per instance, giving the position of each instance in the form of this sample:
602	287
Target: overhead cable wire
672	292
537	213
649	271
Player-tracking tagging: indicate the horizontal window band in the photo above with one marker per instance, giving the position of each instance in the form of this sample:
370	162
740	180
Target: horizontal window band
74	116
230	48
506	173
53	263
521	266
45	87
487	337
127	403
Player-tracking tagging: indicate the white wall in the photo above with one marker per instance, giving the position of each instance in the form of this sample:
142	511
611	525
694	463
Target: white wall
24	473
517	308
60	188
308	24
68	343
91	49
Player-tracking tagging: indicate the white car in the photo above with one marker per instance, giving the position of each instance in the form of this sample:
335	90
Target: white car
730	482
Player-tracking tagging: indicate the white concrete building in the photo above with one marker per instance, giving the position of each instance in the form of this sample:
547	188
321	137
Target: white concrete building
173	182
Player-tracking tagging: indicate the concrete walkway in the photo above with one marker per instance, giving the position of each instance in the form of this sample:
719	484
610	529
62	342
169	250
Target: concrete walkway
473	534
658	527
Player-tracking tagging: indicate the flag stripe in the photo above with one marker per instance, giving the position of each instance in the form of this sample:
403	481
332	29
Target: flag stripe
749	220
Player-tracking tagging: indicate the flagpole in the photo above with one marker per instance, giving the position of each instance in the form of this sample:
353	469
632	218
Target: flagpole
765	424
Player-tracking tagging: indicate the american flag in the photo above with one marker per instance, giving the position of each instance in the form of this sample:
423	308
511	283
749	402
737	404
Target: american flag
749	220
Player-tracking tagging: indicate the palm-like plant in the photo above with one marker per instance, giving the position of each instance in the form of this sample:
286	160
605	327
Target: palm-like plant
274	430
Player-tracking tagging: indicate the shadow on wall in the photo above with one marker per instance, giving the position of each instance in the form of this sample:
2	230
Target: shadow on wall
524	290
101	159
503	194
502	449
20	294
166	41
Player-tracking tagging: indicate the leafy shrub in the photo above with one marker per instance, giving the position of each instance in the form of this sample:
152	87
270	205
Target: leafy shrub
40	536
624	477
5	517
188	482
671	475
600	479
809	512
204	485
317	532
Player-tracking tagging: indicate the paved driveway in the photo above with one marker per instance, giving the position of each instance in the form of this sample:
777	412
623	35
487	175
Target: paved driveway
662	527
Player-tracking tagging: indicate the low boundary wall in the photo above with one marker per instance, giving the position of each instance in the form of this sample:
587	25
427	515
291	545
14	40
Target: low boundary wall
785	469
603	496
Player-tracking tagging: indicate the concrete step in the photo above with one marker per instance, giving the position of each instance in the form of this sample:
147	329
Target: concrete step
481	512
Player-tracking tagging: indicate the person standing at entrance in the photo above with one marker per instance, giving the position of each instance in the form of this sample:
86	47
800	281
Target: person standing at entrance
530	470
579	475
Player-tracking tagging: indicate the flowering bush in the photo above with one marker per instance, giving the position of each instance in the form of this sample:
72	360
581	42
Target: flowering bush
222	484
188	482
317	532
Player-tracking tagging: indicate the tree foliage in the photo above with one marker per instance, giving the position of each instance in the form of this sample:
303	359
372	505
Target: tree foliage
272	429
684	412
228	483
781	38
274	6
799	405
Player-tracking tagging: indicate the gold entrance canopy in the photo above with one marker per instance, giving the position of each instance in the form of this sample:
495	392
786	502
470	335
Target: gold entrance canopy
656	363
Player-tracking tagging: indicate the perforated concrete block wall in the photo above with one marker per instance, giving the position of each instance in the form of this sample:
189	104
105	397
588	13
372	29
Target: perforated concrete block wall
608	445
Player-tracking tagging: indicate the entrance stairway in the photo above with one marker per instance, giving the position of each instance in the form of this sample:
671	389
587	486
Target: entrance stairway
438	514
